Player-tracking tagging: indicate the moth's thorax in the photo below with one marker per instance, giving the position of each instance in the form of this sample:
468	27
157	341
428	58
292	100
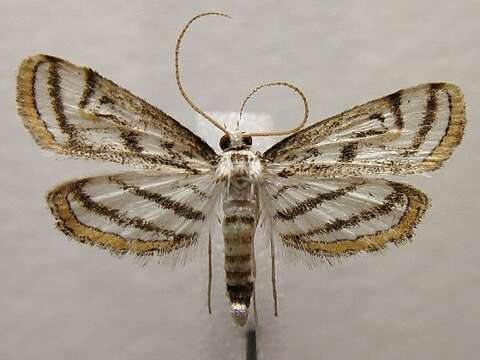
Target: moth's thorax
236	164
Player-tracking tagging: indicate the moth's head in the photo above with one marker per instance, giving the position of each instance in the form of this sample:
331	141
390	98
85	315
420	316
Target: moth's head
235	141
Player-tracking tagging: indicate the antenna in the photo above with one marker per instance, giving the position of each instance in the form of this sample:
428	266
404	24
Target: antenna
177	70
283	132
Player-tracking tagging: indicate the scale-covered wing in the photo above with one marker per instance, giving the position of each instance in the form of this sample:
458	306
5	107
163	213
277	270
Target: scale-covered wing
337	217
74	111
410	131
140	213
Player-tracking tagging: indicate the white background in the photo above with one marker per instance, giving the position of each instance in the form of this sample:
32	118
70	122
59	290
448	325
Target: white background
61	300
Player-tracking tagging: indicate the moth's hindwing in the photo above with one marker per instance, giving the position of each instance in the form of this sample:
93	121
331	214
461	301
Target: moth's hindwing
140	213
335	217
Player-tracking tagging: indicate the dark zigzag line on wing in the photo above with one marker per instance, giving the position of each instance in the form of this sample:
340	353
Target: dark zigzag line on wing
165	202
145	159
117	217
289	186
391	201
54	92
201	194
88	91
131	141
305	206
162	161
428	120
368	133
449	124
348	152
395	101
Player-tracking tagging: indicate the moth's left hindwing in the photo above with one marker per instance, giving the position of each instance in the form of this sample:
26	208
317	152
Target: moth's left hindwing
139	213
74	111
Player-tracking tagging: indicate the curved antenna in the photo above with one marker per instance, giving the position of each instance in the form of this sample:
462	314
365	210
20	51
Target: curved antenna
177	70
284	132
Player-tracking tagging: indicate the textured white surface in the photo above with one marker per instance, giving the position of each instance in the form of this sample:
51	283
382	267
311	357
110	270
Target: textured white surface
60	300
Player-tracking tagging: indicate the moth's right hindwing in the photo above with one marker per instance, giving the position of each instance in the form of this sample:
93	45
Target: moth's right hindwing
337	217
139	213
74	111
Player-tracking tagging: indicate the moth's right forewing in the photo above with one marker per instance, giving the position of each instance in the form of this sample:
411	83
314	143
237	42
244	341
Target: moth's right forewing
74	111
410	131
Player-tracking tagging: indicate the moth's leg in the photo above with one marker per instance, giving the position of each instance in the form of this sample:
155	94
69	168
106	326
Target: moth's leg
254	270
209	273
274	283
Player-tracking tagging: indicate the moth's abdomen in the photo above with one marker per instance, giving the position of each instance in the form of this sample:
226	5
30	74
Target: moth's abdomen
240	171
238	231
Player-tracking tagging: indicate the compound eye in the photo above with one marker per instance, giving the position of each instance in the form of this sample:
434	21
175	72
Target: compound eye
225	142
247	140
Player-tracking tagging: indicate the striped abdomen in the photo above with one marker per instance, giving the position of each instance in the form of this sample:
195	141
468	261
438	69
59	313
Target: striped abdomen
241	214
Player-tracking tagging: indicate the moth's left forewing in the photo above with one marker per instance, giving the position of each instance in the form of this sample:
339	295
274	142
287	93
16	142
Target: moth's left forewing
410	131
338	217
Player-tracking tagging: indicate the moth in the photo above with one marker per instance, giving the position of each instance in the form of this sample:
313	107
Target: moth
318	193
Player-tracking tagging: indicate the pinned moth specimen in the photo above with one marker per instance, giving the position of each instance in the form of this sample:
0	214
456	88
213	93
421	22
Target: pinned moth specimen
318	192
